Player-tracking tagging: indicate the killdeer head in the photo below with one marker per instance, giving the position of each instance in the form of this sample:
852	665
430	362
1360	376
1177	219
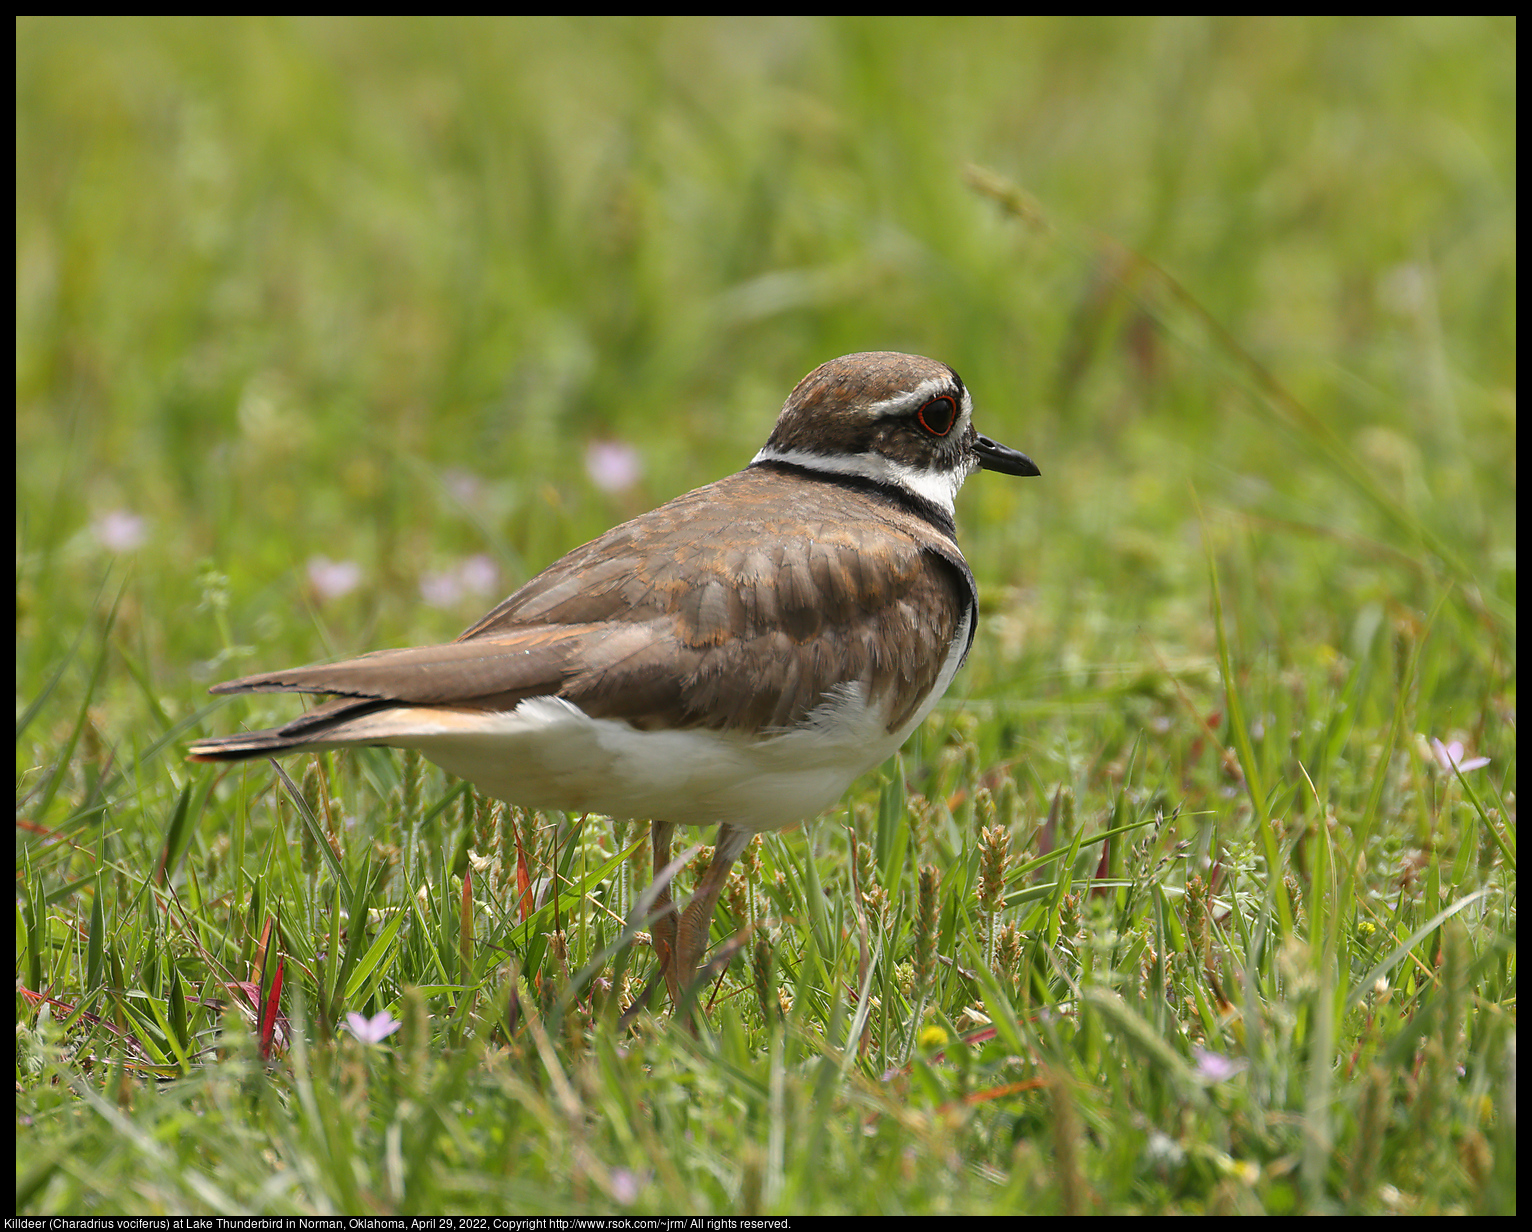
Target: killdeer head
735	657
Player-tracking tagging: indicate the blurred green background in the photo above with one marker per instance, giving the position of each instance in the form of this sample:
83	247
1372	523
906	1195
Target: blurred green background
372	290
331	332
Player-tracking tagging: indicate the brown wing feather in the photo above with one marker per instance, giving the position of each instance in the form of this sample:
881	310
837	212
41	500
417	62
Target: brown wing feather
715	610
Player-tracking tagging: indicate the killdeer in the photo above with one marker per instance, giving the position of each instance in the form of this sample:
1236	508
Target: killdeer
735	657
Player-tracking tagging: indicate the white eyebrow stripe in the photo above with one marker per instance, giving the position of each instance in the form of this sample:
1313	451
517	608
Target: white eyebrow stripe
922	393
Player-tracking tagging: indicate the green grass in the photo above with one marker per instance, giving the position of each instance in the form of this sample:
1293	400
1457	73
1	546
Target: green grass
369	289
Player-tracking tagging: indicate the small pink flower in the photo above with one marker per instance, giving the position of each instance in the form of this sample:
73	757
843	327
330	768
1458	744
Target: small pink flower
612	465
627	1185
1214	1066
441	589
479	575
333	578
372	1030
464	485
120	531
1450	757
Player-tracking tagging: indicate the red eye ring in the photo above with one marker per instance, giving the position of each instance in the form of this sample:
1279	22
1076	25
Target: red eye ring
938	415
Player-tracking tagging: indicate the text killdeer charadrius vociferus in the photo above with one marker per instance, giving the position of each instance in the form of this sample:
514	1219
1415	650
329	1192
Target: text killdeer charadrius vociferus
735	657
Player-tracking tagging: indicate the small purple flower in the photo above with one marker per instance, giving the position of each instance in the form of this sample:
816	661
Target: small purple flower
1214	1066
464	485
441	589
120	531
332	579
627	1185
372	1030
612	465
479	575
1450	757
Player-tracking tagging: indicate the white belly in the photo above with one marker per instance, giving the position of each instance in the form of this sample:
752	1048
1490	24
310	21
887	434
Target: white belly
547	753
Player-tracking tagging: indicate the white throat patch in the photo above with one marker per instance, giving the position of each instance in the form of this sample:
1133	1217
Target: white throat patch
937	486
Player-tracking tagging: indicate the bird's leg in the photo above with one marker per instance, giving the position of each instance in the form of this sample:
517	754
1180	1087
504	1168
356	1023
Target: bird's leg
697	919
661	913
663	927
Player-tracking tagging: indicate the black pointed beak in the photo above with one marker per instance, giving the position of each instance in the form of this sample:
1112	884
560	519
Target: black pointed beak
994	456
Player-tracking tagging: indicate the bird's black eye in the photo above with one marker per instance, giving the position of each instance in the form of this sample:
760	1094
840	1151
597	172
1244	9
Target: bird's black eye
938	415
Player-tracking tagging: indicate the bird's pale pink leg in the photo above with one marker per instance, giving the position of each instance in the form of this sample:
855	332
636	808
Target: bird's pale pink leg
663	929
697	919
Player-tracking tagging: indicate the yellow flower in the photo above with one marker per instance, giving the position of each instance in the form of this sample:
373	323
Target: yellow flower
932	1038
